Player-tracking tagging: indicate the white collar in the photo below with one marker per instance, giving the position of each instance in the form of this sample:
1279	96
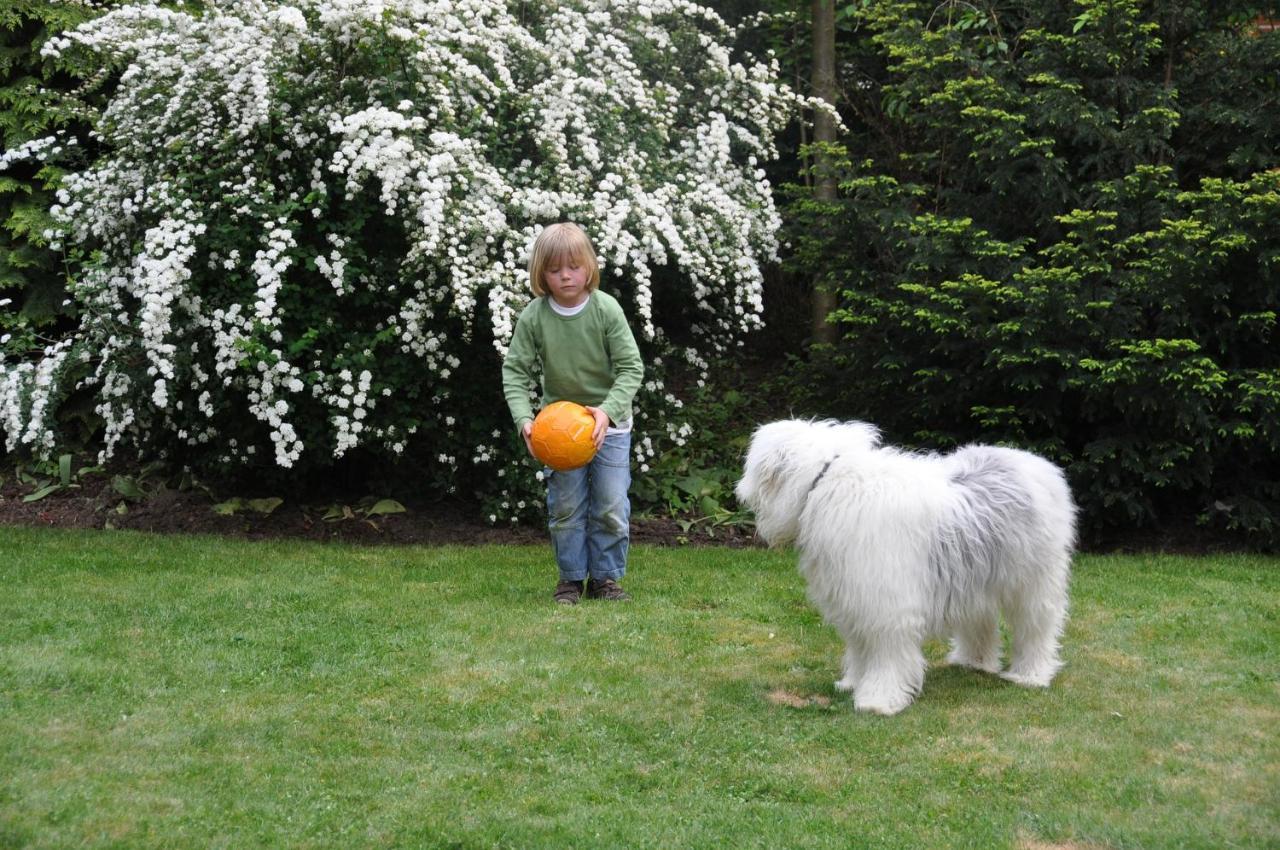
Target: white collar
568	311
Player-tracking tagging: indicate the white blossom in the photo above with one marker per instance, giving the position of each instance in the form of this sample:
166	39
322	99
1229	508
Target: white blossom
297	199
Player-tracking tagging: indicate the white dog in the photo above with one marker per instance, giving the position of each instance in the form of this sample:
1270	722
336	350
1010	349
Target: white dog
896	547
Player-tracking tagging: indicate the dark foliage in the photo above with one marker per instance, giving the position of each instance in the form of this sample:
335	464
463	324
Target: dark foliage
1056	230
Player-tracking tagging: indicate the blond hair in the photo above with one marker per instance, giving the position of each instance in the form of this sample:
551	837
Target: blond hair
559	243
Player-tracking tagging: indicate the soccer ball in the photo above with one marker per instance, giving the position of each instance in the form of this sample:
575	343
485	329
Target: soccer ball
561	436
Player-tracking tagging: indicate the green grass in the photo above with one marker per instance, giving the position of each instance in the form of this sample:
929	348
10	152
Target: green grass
193	692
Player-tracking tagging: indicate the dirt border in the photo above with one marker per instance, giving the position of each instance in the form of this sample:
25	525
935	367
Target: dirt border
95	503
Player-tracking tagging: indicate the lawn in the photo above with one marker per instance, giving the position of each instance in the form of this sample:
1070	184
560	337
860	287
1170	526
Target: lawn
198	692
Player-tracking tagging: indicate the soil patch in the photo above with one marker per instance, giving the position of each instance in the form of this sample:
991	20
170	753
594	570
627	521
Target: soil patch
790	699
95	503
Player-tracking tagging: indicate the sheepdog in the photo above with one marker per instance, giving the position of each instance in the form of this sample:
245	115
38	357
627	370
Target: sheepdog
897	546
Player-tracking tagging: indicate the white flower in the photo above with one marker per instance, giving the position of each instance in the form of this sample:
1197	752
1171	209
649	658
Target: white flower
243	160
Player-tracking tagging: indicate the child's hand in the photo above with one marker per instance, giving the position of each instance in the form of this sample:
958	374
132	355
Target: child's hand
602	426
525	431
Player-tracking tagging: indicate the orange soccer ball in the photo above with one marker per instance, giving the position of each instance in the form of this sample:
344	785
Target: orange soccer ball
561	436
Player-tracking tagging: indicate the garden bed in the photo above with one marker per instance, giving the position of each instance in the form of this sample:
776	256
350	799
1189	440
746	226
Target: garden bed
93	502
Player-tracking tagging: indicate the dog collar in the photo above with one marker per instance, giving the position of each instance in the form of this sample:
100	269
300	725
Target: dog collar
821	473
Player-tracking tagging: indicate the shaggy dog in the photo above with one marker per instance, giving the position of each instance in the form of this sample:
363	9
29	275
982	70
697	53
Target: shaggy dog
896	547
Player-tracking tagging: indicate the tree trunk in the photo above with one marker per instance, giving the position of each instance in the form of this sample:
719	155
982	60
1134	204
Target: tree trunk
823	86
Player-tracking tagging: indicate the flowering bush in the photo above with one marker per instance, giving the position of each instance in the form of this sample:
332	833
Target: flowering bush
309	233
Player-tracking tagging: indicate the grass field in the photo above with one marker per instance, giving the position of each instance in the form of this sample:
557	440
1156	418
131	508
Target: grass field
193	692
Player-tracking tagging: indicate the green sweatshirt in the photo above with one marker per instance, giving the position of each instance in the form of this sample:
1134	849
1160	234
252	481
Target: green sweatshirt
590	358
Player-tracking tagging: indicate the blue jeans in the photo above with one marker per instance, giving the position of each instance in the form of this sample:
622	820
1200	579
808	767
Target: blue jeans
589	513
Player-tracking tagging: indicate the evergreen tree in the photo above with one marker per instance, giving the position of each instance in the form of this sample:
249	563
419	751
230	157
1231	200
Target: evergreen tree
1056	229
33	297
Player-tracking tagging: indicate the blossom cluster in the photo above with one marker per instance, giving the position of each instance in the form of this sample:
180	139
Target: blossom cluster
36	150
311	219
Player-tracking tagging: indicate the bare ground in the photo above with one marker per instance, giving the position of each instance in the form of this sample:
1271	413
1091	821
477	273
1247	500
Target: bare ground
95	503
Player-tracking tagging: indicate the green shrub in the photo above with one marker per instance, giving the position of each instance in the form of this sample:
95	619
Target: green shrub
1040	255
34	111
1141	357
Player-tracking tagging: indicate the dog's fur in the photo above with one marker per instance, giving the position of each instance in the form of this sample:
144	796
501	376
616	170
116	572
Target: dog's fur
896	547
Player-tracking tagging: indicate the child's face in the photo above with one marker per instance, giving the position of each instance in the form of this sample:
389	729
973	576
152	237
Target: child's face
566	279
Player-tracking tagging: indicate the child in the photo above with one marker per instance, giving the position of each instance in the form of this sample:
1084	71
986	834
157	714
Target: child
588	355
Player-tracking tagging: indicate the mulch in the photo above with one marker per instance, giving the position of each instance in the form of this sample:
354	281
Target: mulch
94	503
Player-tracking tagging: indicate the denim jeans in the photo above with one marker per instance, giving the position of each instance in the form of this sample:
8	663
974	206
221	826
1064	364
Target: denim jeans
589	513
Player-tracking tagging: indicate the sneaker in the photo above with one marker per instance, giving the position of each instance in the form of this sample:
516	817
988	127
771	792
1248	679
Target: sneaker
568	592
606	589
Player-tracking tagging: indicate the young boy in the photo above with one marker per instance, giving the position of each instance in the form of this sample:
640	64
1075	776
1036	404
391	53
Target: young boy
582	340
